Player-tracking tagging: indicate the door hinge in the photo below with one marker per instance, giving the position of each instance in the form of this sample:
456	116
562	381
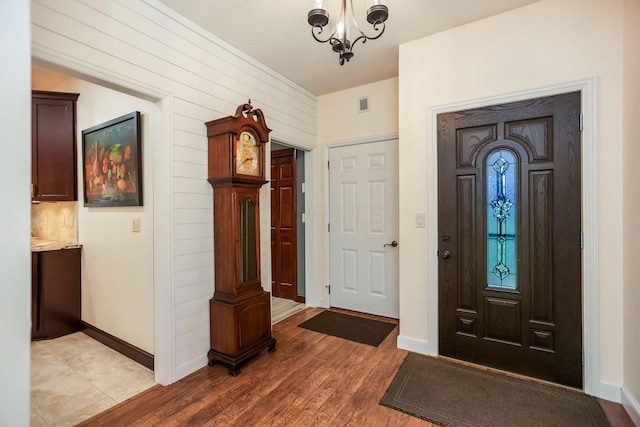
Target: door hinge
328	228
581	122
328	289
328	166
583	357
581	240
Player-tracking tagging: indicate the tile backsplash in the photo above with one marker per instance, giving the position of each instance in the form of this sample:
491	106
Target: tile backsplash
55	221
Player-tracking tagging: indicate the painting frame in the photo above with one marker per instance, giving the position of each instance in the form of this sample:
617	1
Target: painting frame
112	162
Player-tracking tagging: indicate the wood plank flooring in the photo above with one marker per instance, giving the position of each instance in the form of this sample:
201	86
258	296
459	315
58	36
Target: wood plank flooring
311	380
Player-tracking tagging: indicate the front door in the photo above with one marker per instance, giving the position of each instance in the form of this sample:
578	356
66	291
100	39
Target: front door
363	193
509	223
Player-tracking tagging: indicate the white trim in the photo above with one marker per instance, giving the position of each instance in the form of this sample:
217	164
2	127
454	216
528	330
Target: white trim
591	318
310	258
64	62
164	339
163	295
310	247
325	299
608	391
415	345
361	140
292	142
631	405
191	366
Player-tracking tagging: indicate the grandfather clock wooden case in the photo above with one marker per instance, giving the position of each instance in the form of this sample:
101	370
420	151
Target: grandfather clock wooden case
240	310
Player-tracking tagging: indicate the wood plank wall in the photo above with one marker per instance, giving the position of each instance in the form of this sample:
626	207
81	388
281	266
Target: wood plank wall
145	44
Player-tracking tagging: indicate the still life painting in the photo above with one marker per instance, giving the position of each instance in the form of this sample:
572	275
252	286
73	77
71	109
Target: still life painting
112	162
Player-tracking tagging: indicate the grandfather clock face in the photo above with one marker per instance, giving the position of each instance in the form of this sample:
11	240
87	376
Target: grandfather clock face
247	152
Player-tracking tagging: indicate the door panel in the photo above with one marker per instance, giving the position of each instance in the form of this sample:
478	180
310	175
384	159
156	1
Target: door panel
509	228
283	224
363	223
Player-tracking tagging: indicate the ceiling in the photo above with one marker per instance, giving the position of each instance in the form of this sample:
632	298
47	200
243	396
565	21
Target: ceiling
276	33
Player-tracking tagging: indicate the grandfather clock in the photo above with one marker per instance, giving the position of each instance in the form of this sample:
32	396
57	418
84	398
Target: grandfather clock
240	310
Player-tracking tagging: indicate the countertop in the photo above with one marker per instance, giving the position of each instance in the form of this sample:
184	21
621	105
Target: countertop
40	245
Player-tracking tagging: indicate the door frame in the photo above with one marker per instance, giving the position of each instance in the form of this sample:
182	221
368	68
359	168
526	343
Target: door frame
589	177
324	298
160	125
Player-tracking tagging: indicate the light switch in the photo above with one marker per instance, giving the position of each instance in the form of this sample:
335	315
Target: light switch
135	225
420	220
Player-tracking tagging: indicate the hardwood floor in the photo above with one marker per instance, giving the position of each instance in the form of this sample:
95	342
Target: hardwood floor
311	380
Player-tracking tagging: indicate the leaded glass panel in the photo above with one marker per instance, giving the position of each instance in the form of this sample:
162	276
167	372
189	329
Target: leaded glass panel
501	219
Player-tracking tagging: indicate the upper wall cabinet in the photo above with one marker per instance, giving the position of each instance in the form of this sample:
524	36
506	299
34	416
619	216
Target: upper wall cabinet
53	146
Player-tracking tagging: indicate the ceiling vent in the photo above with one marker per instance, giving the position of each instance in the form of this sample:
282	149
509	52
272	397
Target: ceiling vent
363	105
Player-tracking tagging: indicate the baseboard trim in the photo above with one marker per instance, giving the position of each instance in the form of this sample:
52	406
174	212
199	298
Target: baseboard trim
301	299
414	345
631	405
123	347
191	366
607	391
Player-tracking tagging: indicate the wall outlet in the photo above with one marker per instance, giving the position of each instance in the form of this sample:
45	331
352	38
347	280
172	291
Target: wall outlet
135	225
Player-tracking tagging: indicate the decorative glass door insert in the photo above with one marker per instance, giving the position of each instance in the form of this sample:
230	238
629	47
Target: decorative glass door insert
501	220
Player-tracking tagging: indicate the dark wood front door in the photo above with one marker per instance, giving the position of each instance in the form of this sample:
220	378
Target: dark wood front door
283	224
509	200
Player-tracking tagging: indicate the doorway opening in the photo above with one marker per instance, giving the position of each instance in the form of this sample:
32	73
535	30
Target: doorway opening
287	223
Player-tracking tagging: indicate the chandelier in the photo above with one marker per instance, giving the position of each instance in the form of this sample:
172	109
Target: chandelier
318	18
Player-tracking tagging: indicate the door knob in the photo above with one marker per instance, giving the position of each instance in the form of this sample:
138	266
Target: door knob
392	244
445	254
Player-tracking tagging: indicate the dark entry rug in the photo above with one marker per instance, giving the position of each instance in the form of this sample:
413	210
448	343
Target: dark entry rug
453	395
353	328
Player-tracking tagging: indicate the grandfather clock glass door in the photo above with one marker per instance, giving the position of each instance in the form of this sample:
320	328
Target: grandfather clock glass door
509	200
248	248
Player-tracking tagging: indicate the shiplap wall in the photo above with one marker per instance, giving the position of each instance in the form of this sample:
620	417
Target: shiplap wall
144	46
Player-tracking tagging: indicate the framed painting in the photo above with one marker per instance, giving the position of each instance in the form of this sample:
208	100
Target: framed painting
112	158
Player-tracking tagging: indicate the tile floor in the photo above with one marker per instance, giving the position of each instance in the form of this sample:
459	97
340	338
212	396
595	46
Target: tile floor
75	377
282	308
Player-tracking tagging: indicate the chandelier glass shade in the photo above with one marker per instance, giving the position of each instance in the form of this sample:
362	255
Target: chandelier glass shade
319	18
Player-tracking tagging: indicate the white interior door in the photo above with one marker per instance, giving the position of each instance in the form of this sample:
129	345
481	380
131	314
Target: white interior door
363	198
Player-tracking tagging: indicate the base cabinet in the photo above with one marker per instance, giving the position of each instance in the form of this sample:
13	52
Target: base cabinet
55	293
240	330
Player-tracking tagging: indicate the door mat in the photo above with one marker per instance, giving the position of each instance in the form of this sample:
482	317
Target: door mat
359	329
454	395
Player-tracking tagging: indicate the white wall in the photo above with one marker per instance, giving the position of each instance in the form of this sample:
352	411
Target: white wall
145	47
340	122
631	155
546	43
15	255
117	265
339	118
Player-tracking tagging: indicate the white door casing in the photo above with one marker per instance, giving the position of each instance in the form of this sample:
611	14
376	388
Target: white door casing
363	199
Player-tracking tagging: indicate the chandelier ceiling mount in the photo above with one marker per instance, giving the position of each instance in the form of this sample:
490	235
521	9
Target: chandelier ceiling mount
318	18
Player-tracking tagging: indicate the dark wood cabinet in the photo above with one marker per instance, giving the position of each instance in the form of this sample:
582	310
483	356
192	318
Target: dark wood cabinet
53	146
55	293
